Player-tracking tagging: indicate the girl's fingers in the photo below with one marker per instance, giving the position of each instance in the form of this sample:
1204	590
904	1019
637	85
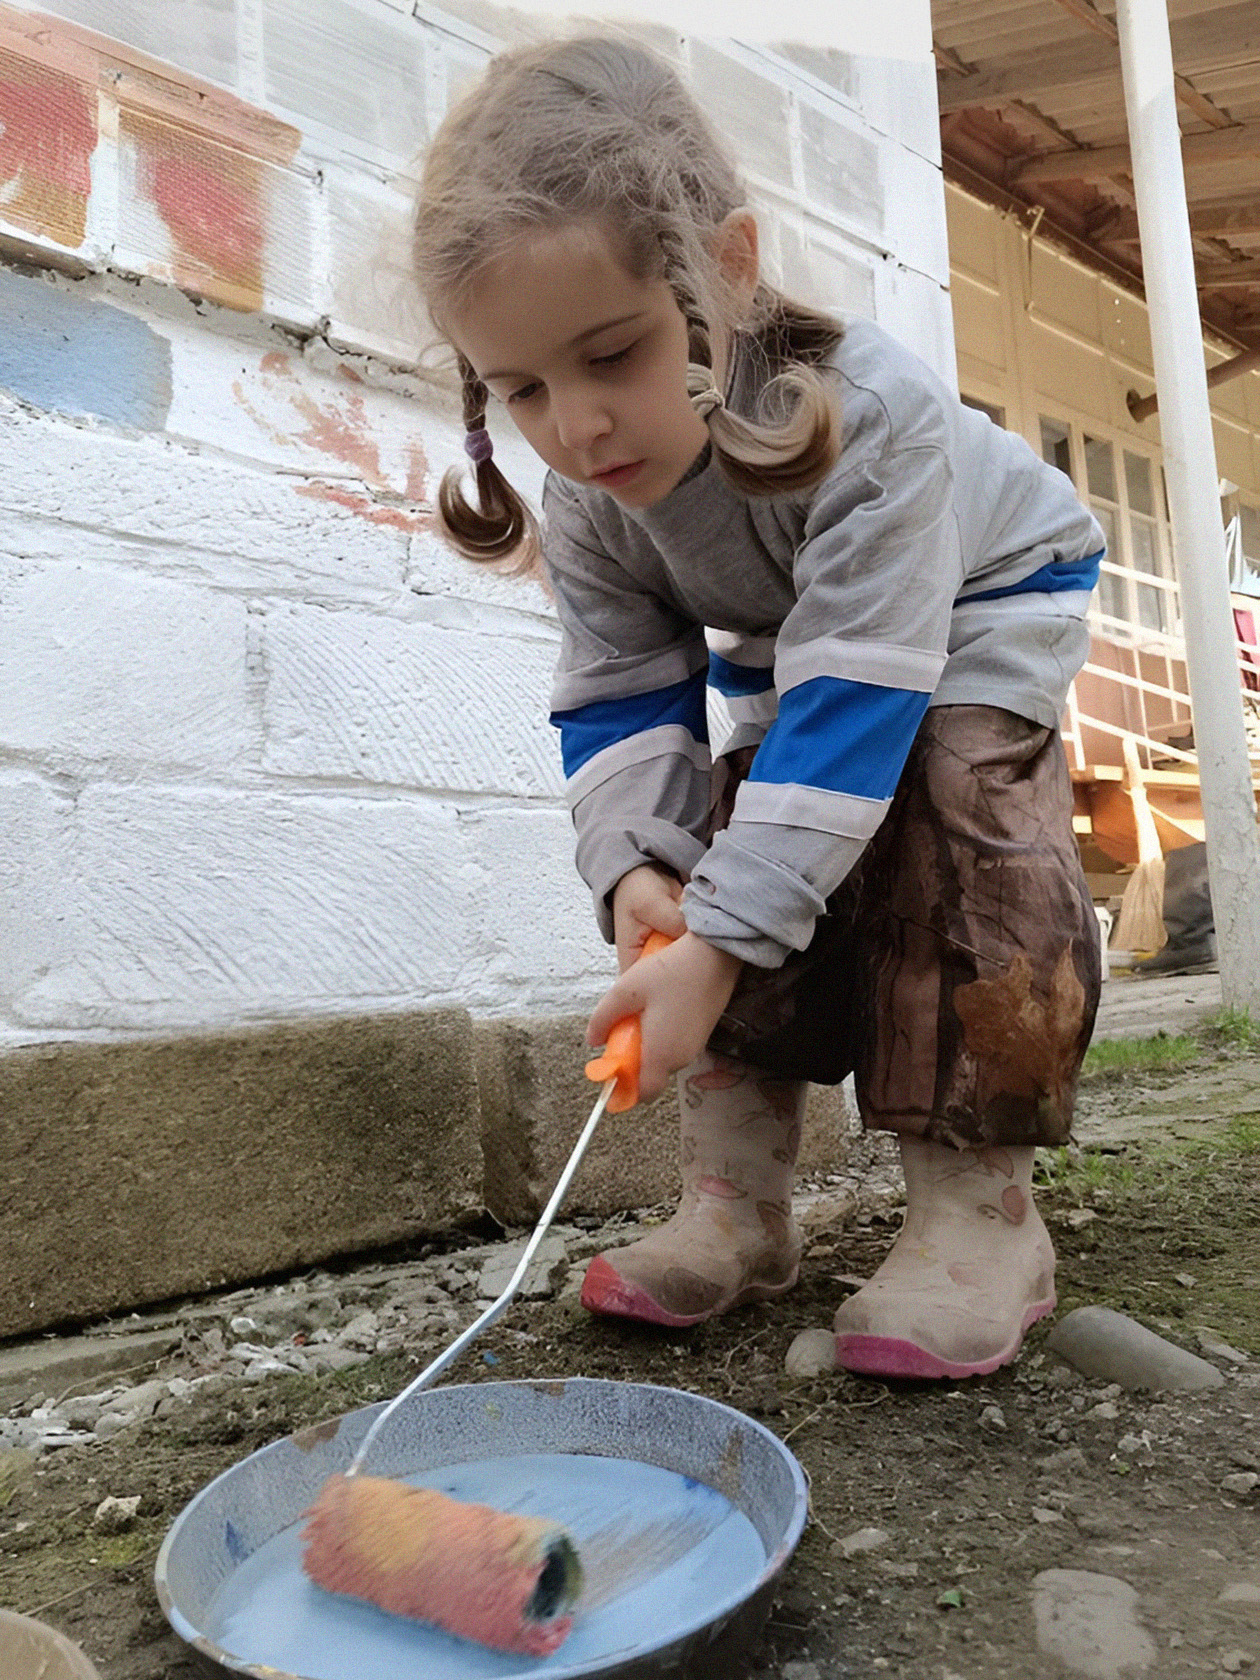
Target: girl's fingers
622	998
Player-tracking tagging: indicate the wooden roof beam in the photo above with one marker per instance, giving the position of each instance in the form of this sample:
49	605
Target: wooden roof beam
1094	163
1202	42
1141	408
1213	275
1188	95
1207	221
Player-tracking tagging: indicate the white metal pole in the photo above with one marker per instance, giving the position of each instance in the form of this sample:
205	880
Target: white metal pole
1229	810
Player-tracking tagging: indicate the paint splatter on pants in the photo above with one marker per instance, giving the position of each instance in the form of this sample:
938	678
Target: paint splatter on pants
956	972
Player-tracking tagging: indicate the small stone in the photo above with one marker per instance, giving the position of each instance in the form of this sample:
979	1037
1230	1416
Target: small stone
1043	1514
992	1417
897	1571
811	1353
1063	1376
547	1270
83	1410
863	1540
110	1424
141	1401
1136	1448
257	1369
1218	1348
1233	1662
1187	1280
116	1516
1079	1218
1089	1623
1241	1592
334	1358
827	1215
1107	1344
361	1332
801	1671
1068	1458
1105	1411
241	1326
1240	1483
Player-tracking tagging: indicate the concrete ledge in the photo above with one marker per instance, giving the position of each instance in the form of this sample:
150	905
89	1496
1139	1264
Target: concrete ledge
535	1099
138	1171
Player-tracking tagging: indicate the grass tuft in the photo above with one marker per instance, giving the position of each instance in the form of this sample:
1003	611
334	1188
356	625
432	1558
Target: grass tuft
1109	1058
1232	1029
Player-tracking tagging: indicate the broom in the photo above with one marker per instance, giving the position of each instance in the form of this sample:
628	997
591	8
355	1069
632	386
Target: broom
1140	924
505	1581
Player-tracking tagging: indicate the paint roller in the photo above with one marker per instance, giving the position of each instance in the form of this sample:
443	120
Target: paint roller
506	1581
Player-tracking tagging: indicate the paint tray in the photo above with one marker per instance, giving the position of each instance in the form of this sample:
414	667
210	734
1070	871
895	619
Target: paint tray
684	1512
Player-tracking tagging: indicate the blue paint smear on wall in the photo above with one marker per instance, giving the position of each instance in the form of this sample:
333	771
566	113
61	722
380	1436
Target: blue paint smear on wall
72	355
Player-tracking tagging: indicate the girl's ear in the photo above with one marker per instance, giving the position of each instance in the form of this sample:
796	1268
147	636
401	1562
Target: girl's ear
737	253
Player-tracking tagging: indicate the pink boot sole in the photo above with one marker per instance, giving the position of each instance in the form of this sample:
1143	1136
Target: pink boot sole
605	1291
886	1356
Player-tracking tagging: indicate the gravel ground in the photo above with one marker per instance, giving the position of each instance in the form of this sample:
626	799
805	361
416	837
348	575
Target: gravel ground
1037	1522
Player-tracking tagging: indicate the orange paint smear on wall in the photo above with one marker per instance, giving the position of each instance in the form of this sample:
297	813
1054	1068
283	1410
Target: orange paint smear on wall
47	137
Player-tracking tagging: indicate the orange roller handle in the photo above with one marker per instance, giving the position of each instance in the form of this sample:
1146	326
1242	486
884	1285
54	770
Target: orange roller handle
620	1057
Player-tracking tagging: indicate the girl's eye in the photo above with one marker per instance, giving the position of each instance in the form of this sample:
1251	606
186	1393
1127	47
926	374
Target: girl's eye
525	392
611	361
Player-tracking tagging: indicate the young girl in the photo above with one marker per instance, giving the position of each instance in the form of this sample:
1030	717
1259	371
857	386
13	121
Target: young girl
878	875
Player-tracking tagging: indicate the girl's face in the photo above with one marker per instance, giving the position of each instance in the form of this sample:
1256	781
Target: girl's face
590	363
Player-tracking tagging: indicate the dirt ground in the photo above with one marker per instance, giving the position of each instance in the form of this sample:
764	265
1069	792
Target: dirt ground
975	1502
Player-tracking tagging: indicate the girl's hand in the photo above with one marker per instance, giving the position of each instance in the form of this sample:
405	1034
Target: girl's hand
645	901
679	993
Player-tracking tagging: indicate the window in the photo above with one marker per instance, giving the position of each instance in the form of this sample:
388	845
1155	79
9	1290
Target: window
996	414
1242	542
1124	490
1056	445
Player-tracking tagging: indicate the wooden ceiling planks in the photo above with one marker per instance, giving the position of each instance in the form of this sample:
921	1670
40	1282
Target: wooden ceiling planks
1033	117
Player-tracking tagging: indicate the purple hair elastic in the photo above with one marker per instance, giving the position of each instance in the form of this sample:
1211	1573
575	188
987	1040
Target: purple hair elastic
478	445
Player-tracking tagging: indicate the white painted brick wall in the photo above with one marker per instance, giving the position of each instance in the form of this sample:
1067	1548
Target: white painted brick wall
267	748
103	667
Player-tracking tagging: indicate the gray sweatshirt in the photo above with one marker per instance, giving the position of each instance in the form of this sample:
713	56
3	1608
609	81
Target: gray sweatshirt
940	562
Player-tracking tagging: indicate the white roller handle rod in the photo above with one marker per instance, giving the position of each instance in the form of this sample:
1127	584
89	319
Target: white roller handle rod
497	1309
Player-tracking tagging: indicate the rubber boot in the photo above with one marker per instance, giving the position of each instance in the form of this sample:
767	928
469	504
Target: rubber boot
733	1238
971	1269
1191	947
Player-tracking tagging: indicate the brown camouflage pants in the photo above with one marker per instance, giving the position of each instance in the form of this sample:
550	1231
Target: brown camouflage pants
956	972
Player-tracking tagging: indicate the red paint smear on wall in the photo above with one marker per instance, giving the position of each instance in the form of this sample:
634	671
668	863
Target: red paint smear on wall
210	198
341	428
340	431
47	137
366	507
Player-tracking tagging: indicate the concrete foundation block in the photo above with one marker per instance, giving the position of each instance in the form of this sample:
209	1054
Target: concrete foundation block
140	1171
535	1099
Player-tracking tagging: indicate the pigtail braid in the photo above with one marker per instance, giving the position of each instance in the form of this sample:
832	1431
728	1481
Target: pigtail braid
501	525
791	447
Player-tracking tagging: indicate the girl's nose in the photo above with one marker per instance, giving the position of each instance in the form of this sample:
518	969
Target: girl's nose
580	419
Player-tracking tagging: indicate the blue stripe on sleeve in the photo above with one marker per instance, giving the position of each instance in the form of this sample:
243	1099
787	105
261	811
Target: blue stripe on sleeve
845	736
1054	579
729	678
587	730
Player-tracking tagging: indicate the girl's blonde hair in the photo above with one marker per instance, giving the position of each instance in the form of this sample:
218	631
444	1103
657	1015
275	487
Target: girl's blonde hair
598	128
